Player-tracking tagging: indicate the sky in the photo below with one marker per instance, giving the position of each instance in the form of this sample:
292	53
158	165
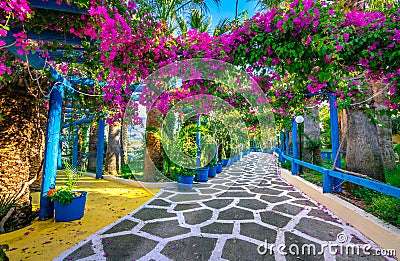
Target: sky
228	9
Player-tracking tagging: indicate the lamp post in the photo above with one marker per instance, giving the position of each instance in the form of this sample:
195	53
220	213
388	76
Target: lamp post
299	120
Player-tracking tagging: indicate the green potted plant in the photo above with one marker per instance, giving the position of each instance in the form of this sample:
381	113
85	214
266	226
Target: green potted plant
212	168
69	204
185	178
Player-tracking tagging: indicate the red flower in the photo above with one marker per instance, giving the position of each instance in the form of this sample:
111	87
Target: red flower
51	191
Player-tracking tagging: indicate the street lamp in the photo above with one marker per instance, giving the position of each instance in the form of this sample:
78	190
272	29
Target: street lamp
299	120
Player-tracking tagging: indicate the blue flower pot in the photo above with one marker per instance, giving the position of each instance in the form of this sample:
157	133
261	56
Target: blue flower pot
212	171
219	167
230	162
202	175
185	182
72	211
225	162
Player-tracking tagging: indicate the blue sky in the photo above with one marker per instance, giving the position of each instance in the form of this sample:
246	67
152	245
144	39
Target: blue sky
228	8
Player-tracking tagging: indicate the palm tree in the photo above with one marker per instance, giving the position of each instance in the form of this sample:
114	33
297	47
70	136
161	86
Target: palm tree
196	20
113	153
170	11
22	123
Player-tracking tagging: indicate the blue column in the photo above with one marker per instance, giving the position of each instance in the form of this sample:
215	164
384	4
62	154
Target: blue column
100	149
287	152
51	151
75	149
281	146
198	136
326	182
334	121
295	168
59	156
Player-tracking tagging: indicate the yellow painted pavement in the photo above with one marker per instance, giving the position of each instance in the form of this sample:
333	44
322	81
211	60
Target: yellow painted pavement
107	202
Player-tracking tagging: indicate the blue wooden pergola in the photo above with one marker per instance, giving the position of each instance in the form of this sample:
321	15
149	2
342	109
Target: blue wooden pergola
52	157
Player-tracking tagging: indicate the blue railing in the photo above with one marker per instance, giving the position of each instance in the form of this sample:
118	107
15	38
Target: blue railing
327	155
328	175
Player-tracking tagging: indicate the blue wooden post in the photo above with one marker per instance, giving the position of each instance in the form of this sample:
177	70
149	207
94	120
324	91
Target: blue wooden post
51	151
326	182
75	149
198	136
334	121
295	169
281	146
287	143
59	156
100	149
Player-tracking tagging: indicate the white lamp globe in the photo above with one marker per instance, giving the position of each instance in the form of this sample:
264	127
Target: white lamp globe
299	119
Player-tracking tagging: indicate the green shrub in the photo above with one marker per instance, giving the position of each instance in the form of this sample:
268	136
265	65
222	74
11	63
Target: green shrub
287	165
3	256
387	208
393	176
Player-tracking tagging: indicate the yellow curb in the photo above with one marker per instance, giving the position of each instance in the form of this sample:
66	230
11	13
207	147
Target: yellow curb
107	202
383	234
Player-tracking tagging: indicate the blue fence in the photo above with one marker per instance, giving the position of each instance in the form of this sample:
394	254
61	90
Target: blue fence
327	155
329	175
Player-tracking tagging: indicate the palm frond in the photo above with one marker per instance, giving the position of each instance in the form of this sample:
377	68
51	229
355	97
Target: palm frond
221	25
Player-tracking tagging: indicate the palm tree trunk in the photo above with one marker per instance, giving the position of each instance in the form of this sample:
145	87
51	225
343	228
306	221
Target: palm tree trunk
154	158
113	154
384	127
124	143
312	152
237	8
92	147
38	145
363	154
17	137
343	127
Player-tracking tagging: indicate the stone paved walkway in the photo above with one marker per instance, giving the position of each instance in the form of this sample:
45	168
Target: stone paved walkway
236	216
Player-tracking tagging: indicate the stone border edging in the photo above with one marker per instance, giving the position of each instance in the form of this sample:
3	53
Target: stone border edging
385	235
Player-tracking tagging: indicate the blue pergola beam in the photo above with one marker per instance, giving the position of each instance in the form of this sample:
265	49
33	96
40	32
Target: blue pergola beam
75	149
52	5
51	36
198	141
295	167
78	122
53	134
100	149
334	122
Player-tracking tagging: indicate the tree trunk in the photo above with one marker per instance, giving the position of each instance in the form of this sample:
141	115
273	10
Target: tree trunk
343	127
384	126
363	152
17	138
153	158
113	154
37	149
124	143
312	138
92	147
